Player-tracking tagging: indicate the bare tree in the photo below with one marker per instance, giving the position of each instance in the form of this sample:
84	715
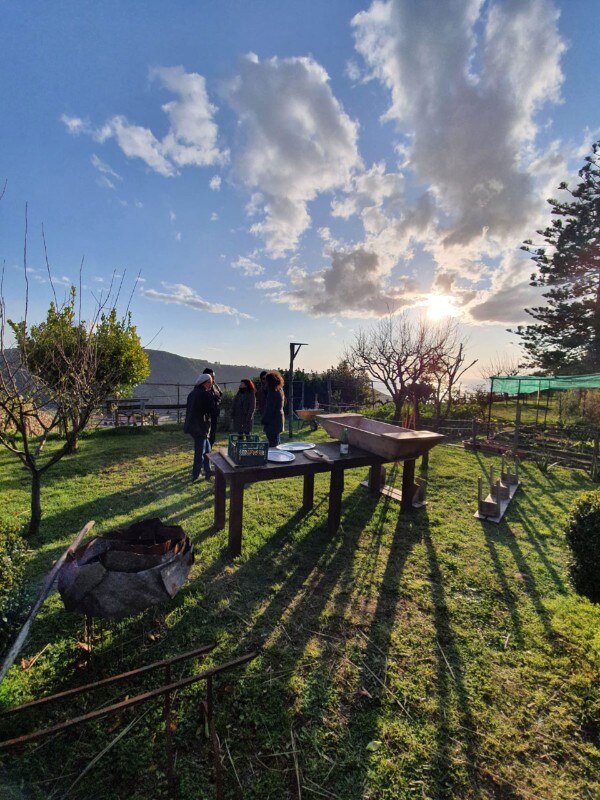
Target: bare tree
500	364
56	373
449	367
401	353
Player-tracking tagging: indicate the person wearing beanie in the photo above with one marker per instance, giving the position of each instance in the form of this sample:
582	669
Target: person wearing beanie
198	413
216	396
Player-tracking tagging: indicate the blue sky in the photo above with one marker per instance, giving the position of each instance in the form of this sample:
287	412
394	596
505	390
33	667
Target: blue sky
363	157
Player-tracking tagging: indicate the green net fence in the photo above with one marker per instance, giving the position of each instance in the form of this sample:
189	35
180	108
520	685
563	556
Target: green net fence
528	384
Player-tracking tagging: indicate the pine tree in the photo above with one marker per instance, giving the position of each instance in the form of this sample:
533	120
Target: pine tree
566	336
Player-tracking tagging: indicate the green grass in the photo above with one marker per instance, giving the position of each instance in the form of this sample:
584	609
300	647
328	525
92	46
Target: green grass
424	656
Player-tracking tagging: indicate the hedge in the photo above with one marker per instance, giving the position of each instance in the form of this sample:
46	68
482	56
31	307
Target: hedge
583	536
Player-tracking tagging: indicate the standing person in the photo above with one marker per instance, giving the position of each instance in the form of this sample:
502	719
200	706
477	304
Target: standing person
216	397
197	424
244	407
261	393
272	418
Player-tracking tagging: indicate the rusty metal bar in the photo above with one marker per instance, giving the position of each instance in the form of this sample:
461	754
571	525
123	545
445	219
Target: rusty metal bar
210	713
130	703
169	736
122	676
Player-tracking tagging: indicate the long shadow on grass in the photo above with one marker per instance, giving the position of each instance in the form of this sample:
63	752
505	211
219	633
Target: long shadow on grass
287	586
450	680
496	536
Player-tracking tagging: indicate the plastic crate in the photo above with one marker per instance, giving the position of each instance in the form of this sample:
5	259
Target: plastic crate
247	452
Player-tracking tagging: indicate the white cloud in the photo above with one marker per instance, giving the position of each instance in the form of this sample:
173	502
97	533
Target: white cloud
192	135
214	216
106	183
299	142
469	129
177	236
466	81
75	125
192	138
180	294
268	285
215	183
104	168
247	266
172	216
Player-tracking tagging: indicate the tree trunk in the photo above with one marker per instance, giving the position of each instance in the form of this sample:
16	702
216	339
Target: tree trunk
36	504
398	403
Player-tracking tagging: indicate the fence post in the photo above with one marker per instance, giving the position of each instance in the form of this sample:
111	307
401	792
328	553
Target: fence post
178	409
594	470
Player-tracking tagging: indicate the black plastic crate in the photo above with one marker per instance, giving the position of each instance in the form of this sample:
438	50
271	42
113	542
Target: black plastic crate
247	452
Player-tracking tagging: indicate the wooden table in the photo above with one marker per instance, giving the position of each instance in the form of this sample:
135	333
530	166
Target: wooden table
237	477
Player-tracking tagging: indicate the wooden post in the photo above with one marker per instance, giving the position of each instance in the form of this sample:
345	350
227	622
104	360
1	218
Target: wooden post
308	493
408	485
220	487
336	489
236	518
178	404
594	471
376	478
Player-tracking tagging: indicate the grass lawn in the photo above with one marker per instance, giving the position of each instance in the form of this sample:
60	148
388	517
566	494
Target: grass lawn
426	656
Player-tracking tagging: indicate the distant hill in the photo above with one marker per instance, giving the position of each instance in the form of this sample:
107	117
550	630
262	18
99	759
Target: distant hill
168	368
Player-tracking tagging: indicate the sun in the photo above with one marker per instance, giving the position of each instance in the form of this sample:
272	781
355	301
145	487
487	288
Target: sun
440	306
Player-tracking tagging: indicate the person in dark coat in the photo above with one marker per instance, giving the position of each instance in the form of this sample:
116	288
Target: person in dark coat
261	393
244	407
198	413
216	396
273	416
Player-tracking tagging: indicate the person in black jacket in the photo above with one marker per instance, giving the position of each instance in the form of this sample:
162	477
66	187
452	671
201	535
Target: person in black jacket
216	396
273	415
198	414
244	408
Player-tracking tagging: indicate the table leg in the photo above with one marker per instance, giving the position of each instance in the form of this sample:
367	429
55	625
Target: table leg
336	489
376	478
308	494
220	488
408	486
236	518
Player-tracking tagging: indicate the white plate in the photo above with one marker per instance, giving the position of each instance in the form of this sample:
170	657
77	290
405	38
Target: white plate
280	456
295	447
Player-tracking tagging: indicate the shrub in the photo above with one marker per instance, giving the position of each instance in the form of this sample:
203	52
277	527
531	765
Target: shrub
12	564
583	535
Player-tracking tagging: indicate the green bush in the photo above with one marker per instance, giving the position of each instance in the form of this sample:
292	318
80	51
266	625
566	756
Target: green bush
583	535
13	551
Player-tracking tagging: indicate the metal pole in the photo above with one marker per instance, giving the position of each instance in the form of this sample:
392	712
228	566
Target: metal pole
294	350
490	408
291	393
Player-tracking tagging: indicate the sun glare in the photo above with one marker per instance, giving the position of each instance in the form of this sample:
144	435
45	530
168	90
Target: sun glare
440	306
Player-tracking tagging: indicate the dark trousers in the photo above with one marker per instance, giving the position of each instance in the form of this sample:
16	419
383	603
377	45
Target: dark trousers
213	429
201	451
273	435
